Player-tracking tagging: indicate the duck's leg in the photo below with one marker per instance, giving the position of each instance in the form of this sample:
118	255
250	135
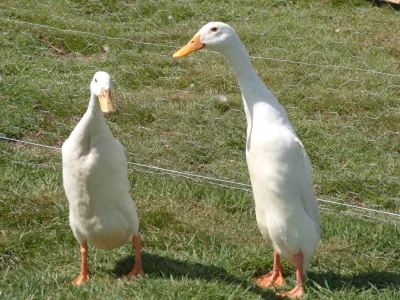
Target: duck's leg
84	276
298	291
273	278
137	270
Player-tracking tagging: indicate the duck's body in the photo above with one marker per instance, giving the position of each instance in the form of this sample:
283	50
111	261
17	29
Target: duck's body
95	177
276	161
95	174
280	170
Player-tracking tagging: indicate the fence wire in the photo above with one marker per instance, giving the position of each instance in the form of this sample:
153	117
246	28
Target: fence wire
326	206
334	65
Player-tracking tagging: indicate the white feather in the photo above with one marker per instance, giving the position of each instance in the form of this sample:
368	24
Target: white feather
95	177
280	170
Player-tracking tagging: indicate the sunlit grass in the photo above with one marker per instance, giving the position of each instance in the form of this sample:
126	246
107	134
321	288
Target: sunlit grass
334	65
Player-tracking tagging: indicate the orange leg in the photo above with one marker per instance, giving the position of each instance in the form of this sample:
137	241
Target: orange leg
298	291
137	270
84	276
274	278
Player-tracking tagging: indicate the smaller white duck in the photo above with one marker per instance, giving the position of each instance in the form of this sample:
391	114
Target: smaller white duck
95	175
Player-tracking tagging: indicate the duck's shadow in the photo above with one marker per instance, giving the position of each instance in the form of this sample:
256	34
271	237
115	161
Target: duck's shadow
378	280
159	266
165	267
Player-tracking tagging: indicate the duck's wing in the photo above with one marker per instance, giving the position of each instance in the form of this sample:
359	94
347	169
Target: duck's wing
308	196
121	147
122	161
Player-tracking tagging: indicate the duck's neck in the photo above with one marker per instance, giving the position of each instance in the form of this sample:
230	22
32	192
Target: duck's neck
240	61
259	102
91	125
96	120
93	121
94	106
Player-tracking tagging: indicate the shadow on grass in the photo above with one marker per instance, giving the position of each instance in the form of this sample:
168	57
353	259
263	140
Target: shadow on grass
159	266
380	3
334	281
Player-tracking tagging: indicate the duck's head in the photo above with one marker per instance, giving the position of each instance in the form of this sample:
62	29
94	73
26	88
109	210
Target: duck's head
215	36
101	87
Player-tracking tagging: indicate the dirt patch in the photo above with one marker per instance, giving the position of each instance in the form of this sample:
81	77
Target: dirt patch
72	45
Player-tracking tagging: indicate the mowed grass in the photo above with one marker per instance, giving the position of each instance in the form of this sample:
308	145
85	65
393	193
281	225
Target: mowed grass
199	242
334	66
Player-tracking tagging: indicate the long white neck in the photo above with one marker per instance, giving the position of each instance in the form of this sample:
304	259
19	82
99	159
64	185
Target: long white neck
94	105
96	120
240	61
259	102
91	126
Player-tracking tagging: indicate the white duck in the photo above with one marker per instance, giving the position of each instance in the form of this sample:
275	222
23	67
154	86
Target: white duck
95	176
280	170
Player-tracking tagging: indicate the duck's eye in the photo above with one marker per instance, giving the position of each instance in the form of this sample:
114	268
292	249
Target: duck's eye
214	29
95	80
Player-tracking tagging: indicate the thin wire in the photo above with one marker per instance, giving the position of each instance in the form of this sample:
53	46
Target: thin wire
30	143
206	178
86	33
355	214
191	174
362	208
326	66
139	165
43	166
170	46
192	178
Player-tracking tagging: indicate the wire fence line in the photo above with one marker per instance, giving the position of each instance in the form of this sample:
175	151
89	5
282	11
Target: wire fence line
375	72
85	33
339	80
215	181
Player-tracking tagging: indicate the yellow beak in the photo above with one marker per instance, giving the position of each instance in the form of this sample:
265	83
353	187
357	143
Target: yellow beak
105	101
192	46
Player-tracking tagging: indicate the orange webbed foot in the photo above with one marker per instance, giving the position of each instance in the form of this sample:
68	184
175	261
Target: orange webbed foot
84	276
136	272
296	293
272	279
80	280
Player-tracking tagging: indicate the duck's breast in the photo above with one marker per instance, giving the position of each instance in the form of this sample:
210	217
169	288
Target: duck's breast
278	181
97	187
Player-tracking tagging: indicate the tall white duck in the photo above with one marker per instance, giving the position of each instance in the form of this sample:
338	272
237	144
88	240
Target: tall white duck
95	175
280	170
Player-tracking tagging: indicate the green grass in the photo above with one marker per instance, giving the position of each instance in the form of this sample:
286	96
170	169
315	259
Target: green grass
334	65
196	245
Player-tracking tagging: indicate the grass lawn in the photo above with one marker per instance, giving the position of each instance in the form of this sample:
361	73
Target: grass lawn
334	65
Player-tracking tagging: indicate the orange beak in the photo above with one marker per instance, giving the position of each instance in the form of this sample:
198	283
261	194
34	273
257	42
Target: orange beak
105	101
192	46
